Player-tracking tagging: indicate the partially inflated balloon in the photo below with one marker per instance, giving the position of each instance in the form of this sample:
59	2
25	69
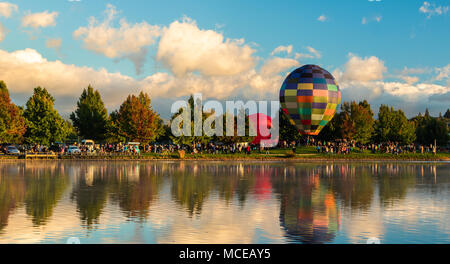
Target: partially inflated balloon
310	96
261	122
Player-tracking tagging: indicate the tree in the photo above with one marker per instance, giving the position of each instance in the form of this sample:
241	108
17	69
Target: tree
362	117
91	117
12	123
394	126
447	114
430	129
288	130
136	121
44	124
354	122
189	140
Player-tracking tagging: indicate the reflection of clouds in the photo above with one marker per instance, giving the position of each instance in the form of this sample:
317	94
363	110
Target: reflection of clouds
362	225
218	223
21	230
241	203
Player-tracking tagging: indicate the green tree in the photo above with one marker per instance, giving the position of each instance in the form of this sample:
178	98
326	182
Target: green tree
393	126
91	117
363	121
136	120
430	129
288	130
12	123
189	140
447	114
44	124
356	121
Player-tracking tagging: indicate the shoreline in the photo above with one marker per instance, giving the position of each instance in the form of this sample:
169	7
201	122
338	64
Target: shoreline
308	158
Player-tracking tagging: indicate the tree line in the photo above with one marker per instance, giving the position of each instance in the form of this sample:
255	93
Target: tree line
356	122
38	122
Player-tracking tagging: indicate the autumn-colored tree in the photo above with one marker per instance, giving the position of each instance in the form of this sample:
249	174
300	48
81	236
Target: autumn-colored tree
12	123
136	121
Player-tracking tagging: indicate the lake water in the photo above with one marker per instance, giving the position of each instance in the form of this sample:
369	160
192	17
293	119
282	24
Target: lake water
224	202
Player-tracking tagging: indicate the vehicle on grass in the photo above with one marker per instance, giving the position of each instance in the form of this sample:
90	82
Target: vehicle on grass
73	150
12	150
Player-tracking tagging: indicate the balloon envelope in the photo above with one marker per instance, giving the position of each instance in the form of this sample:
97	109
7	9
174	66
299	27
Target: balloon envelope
262	124
310	96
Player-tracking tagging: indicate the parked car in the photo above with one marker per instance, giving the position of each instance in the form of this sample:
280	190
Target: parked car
74	150
12	150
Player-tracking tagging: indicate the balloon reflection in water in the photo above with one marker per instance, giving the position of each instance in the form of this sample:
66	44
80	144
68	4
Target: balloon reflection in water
309	212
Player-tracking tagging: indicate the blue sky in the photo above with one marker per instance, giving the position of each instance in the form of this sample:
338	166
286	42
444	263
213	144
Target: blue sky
390	51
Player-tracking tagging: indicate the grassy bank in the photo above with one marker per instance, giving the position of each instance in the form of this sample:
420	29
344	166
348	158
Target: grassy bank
303	153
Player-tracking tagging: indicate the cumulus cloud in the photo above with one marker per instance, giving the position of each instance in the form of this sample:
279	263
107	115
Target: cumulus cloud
277	65
362	69
362	78
38	20
185	48
23	70
430	9
281	49
128	41
6	9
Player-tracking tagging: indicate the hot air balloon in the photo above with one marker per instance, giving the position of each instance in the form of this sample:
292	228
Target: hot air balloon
262	123
310	96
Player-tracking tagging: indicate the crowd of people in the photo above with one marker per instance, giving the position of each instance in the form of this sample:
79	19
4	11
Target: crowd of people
329	147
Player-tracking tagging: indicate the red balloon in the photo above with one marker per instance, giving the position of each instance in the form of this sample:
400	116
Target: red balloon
261	122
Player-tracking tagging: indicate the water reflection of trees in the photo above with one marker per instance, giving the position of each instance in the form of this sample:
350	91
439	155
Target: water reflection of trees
12	193
135	188
311	195
44	188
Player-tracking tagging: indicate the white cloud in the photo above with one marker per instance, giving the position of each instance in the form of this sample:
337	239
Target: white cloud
443	73
37	20
185	48
407	71
362	79
362	69
430	9
312	53
6	9
280	49
2	32
276	65
23	70
127	41
410	79
322	18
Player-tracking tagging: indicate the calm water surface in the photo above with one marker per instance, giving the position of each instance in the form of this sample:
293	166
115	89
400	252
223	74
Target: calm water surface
224	202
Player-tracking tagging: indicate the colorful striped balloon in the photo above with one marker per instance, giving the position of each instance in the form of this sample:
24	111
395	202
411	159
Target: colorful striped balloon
310	96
